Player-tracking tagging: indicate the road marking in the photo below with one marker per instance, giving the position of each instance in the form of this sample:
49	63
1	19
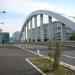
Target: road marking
72	45
29	51
27	59
69	56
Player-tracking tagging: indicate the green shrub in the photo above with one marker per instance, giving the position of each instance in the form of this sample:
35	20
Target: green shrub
57	57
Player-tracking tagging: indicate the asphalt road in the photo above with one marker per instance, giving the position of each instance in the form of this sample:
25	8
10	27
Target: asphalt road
12	61
68	53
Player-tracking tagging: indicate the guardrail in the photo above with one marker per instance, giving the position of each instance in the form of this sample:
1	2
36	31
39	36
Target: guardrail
66	43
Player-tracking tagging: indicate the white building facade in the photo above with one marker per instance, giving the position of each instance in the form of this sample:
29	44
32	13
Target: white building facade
57	32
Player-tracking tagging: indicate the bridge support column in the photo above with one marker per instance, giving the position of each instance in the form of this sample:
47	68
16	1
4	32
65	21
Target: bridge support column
63	32
24	34
31	30
22	38
35	21
41	27
27	32
50	29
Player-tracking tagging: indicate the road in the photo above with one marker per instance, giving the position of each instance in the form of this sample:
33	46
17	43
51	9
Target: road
12	61
68	54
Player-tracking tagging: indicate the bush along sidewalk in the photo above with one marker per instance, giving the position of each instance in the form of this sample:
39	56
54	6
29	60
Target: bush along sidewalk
50	56
57	55
55	65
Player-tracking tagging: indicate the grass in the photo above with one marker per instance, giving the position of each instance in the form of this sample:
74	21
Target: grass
44	65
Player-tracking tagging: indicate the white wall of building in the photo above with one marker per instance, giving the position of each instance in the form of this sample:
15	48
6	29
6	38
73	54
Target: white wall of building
56	32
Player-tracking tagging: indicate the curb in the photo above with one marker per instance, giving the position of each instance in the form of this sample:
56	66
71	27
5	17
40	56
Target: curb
64	64
27	59
68	65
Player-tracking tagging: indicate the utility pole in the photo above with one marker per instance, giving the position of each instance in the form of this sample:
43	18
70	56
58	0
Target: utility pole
2	11
2	22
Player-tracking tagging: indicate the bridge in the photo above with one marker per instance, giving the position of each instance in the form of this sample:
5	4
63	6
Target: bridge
39	33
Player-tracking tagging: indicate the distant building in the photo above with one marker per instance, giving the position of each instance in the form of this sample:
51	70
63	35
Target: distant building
56	25
57	32
16	36
11	39
4	36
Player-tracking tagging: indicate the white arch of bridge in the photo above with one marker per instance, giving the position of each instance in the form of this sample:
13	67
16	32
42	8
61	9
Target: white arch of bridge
64	19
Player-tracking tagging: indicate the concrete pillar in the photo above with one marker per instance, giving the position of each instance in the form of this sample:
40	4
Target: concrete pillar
27	32
41	27
50	29
63	33
35	21
31	34
22	37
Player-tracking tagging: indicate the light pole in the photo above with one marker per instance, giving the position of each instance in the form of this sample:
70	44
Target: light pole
2	11
2	22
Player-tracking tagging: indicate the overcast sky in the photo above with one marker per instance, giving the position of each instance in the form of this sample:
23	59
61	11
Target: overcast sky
18	10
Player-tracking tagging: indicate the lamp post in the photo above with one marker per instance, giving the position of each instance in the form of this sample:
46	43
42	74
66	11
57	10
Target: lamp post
0	28
2	22
2	11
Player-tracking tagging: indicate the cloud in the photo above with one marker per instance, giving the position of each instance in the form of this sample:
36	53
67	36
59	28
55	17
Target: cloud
25	7
11	27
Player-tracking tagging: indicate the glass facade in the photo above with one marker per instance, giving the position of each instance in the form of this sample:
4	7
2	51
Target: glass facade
4	37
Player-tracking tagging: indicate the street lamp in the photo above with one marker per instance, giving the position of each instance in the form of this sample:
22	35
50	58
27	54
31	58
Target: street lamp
3	12
2	23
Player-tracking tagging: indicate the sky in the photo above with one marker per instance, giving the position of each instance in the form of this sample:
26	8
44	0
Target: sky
18	10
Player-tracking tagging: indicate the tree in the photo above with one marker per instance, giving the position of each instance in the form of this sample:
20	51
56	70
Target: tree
57	57
72	37
49	51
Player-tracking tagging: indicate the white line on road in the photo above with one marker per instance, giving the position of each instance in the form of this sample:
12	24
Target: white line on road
29	51
69	56
27	59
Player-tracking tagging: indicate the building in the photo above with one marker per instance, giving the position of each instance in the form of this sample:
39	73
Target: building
56	32
4	36
56	25
16	36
